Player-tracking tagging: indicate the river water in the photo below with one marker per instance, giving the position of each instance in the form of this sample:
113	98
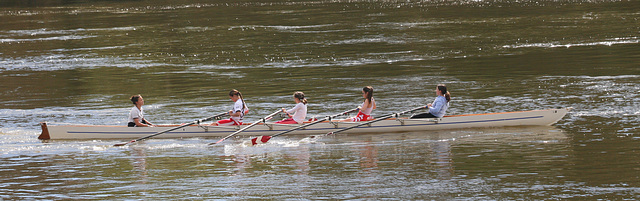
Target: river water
78	62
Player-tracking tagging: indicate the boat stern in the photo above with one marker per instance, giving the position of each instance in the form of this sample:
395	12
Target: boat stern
45	131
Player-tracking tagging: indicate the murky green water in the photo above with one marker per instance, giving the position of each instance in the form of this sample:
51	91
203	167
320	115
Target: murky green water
77	62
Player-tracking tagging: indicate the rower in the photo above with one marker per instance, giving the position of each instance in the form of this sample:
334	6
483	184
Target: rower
368	105
136	115
237	114
439	106
300	110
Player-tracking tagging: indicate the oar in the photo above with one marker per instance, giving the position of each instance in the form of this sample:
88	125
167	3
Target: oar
372	121
249	126
172	129
264	139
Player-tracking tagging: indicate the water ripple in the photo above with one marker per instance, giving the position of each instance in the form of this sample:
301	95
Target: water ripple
608	42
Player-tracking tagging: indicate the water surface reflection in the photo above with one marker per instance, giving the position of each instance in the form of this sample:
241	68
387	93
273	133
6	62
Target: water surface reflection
77	62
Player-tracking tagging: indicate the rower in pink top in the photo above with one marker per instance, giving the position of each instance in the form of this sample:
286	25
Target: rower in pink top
366	108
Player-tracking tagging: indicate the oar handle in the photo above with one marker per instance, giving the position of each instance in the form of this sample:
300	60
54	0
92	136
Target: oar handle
174	128
285	111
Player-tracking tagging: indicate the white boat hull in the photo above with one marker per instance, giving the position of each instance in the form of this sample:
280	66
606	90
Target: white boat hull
522	118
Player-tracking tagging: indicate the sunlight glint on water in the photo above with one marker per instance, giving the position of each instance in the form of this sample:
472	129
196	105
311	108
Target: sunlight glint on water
78	62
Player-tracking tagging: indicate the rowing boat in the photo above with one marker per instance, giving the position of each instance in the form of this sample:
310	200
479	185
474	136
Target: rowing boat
400	124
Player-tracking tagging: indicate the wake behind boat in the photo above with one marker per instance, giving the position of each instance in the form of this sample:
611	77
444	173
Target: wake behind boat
520	118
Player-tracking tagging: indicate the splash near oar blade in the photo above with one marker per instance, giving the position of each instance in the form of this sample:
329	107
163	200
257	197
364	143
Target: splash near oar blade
265	139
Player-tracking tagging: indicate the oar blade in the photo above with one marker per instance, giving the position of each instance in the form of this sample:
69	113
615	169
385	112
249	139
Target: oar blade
119	145
125	143
260	140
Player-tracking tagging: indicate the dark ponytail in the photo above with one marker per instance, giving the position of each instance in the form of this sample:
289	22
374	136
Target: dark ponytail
369	91
444	91
236	92
135	98
300	96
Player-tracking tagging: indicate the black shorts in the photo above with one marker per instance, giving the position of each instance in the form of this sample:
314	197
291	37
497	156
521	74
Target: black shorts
423	115
133	124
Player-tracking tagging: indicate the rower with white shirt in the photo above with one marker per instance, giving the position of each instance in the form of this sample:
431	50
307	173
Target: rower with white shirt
136	115
300	110
237	114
